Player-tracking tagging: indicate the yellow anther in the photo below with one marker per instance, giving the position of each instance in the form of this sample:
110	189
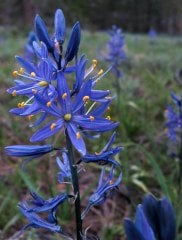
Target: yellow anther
78	136
30	117
43	84
108	109
92	118
32	74
14	93
94	62
49	104
15	73
34	91
21	105
108	117
21	70
86	98
52	126
100	72
110	182
64	95
67	117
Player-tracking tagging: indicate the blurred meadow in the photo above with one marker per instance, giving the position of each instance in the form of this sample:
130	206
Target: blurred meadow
149	75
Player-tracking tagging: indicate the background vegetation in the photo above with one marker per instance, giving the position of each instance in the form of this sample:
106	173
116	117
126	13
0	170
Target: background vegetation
149	76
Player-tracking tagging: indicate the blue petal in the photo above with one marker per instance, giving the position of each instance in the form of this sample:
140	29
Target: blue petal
78	143
142	224
131	231
73	43
98	125
48	204
150	208
84	91
38	221
42	33
28	150
167	220
99	94
80	73
101	109
63	89
26	65
111	140
60	26
40	119
42	102
46	131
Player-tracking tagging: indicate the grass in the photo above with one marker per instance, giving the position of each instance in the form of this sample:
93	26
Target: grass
149	76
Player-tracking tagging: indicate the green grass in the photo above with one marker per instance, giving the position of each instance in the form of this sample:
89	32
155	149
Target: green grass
148	79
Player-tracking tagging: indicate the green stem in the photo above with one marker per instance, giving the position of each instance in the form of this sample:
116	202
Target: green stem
75	184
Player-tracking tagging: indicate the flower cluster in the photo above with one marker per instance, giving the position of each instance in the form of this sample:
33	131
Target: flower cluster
59	93
152	34
116	54
155	219
174	125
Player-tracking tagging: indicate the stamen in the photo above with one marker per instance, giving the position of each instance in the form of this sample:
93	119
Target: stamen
15	73
100	72
32	74
14	93
67	117
108	117
49	104
21	70
110	182
34	91
52	126
108	109
92	118
30	117
96	153
43	84
78	136
21	104
86	98
94	62
64	95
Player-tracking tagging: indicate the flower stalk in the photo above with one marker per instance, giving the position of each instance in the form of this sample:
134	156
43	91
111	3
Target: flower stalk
76	189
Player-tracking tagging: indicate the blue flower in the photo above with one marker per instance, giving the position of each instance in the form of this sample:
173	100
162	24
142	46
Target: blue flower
152	35
105	187
116	53
105	156
161	217
54	43
36	79
69	117
28	150
39	205
64	167
140	230
174	118
36	221
155	219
